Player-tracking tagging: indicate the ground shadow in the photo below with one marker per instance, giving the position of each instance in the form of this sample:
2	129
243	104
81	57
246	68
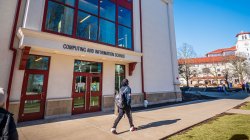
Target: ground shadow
158	123
169	104
239	137
154	124
87	115
64	118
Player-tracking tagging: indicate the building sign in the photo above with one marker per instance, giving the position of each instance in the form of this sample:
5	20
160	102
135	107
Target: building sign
91	51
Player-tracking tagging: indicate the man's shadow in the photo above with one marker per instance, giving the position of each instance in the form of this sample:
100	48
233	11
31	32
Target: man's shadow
239	137
154	124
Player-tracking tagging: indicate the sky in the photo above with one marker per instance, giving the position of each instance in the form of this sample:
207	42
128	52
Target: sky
208	25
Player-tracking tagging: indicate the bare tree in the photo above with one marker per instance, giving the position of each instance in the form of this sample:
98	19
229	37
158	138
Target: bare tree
185	55
240	67
227	74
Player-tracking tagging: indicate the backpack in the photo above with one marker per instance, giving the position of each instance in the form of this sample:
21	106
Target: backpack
120	99
4	128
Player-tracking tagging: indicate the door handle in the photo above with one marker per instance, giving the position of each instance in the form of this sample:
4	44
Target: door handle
42	95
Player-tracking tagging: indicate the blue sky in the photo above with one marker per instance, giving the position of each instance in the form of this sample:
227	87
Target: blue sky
210	24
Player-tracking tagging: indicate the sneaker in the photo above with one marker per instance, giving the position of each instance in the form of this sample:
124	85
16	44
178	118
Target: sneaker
132	129
113	130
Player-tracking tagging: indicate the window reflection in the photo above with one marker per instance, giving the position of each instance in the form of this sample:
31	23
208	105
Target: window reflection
35	84
79	102
89	6
95	84
94	20
59	18
124	37
107	32
89	67
94	101
124	16
107	9
87	26
68	2
37	62
119	76
80	84
32	106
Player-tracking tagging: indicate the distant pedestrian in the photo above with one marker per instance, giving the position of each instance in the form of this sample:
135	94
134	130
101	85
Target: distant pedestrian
243	86
247	87
224	87
124	106
7	124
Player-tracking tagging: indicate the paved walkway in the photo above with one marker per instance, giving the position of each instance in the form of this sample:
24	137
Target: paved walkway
153	123
239	111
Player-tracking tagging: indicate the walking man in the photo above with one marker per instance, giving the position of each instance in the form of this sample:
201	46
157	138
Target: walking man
7	125
125	92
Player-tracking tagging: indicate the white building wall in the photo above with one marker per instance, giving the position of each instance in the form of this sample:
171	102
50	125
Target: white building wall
158	75
108	78
135	79
136	25
17	81
243	46
7	15
33	18
60	77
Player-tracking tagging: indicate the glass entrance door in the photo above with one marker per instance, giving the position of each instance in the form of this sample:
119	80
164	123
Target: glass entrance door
33	95
87	87
86	93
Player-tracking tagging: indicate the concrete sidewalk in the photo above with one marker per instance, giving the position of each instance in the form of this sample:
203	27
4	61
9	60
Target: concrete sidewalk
153	123
239	111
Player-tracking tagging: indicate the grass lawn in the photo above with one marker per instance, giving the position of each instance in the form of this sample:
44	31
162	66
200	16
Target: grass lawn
221	128
246	106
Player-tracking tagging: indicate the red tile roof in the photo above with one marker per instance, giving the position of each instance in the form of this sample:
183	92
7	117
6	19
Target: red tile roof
242	33
219	51
201	60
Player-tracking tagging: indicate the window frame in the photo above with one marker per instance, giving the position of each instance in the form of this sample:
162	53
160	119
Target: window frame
121	3
122	74
49	58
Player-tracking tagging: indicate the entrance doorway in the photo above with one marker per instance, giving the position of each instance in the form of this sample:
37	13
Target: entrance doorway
34	89
87	87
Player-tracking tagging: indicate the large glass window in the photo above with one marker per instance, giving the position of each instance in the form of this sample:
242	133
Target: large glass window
124	16
95	84
104	21
68	2
37	62
35	84
59	18
90	6
32	106
89	67
124	37
107	32
107	9
119	76
87	26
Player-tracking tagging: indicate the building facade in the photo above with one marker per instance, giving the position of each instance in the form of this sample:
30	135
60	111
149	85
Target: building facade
212	69
243	45
66	57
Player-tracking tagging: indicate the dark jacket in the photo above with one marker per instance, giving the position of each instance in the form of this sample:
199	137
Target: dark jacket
7	126
127	95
